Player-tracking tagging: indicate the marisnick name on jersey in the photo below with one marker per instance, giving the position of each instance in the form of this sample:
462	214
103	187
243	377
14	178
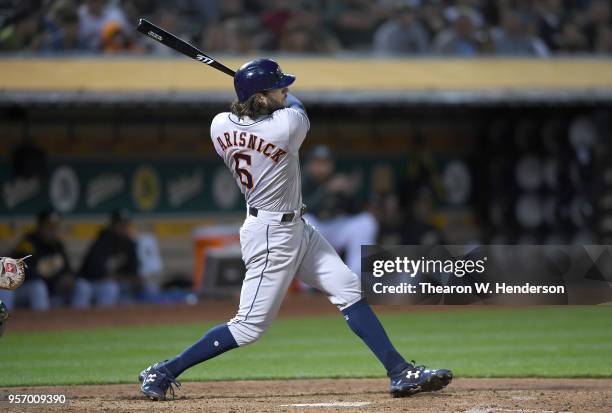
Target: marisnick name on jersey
250	141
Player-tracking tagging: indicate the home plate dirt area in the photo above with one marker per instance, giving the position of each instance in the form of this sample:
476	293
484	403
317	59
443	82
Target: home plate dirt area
337	395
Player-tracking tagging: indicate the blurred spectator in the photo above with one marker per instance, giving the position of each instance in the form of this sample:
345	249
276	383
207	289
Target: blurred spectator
275	19
298	40
304	33
512	38
135	9
94	15
354	21
238	35
603	42
21	32
110	269
116	40
460	40
48	275
452	27
202	12
61	28
432	18
168	18
465	7
402	34
333	207
599	18
236	31
231	8
571	39
549	16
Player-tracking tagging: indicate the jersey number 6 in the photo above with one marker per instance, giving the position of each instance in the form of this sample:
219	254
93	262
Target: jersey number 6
244	174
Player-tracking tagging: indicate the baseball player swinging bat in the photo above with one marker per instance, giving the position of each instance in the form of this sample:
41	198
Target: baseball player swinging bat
259	141
173	42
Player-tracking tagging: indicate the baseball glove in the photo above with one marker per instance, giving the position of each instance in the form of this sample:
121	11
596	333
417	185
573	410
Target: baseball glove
12	272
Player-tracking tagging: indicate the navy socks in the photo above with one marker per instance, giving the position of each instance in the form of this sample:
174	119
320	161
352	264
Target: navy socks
216	341
362	320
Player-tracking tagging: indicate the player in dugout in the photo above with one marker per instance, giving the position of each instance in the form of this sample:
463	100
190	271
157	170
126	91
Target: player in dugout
109	272
334	207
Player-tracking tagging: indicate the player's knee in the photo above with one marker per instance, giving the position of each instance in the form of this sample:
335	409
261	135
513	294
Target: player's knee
39	289
82	294
39	296
246	332
107	293
8	298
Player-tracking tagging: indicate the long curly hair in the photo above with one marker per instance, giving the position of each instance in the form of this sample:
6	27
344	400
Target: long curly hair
253	107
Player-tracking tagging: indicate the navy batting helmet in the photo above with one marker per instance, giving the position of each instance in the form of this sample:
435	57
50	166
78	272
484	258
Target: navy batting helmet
259	75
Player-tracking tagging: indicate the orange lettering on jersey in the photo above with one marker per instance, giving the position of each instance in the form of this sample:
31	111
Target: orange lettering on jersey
270	146
228	139
279	152
252	140
261	141
235	134
242	139
223	147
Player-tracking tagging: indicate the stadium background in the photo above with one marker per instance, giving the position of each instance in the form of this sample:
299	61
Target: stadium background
498	146
108	120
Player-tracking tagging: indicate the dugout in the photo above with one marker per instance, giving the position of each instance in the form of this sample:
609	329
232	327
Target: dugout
496	150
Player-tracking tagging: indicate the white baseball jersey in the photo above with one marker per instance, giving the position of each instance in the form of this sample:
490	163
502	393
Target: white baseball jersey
262	155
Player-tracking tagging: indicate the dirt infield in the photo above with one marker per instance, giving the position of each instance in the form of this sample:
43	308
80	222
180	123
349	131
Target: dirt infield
323	395
342	395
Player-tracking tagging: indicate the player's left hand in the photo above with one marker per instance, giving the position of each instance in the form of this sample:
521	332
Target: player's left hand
12	272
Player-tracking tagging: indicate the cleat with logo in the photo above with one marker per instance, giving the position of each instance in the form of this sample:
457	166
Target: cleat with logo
417	379
156	381
143	374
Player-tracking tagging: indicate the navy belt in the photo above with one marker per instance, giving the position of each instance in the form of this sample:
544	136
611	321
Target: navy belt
287	217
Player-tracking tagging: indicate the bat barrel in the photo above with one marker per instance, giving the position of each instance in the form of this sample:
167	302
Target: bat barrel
168	39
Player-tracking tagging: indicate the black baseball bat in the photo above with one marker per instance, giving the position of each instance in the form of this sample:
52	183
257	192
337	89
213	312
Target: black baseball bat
170	40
